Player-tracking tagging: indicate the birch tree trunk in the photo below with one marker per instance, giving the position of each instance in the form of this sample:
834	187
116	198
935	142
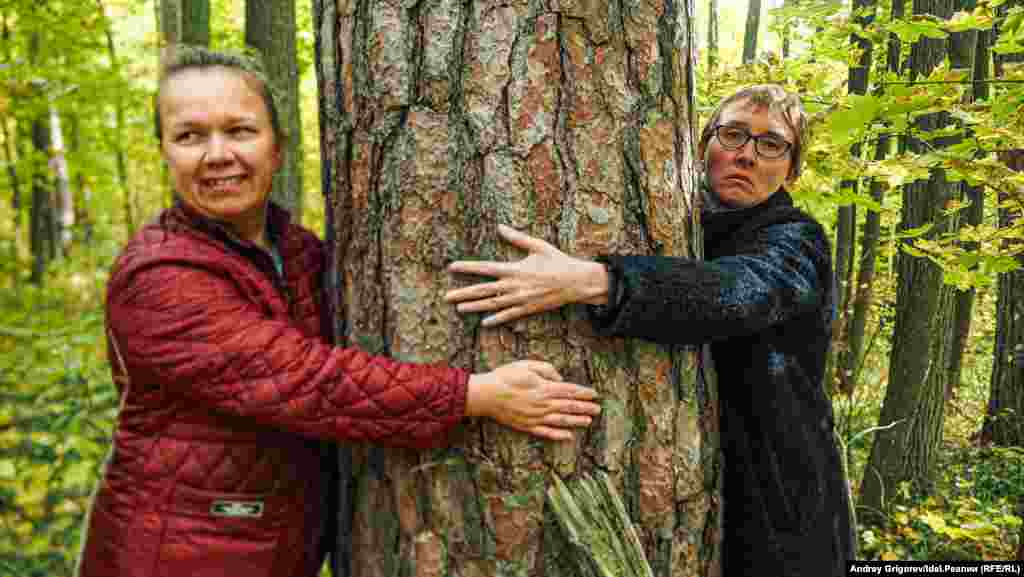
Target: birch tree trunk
568	120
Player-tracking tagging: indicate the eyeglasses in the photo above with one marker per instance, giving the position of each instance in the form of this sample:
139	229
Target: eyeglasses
767	145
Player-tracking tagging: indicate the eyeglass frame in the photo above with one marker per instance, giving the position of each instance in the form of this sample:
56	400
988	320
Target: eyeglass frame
756	139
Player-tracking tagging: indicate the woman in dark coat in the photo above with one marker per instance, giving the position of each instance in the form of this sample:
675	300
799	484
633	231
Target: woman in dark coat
762	299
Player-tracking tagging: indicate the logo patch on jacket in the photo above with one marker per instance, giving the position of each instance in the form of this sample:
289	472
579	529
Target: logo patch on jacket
237	509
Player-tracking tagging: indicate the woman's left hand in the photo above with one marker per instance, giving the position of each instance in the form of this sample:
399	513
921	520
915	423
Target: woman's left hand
545	280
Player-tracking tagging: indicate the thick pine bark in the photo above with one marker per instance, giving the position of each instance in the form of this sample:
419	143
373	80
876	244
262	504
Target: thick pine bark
750	35
922	339
270	28
440	121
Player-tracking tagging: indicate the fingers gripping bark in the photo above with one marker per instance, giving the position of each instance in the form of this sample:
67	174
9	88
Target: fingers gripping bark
530	396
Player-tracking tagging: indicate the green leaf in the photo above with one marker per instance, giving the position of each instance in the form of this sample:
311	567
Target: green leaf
846	123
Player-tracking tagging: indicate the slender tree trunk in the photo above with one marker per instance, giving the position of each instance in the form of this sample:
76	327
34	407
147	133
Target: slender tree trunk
856	297
41	211
968	50
270	28
184	22
864	294
83	200
441	120
750	36
180	22
42	215
846	230
712	36
10	154
10	159
127	203
922	339
65	203
785	34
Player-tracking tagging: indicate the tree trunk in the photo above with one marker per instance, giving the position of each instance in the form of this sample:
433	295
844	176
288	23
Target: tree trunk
10	154
922	339
440	121
41	214
183	22
864	294
712	36
1004	420
750	36
785	33
119	124
83	200
270	29
65	204
969	51
10	159
842	359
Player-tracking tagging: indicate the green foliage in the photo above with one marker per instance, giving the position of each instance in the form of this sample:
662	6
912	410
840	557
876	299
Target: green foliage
972	516
56	413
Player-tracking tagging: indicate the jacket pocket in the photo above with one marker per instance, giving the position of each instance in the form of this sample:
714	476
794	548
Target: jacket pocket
212	534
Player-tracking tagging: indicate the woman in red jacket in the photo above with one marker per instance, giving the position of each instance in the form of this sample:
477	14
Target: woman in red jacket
215	323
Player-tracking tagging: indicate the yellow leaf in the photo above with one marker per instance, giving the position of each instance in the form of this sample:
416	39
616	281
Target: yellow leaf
937	523
889	556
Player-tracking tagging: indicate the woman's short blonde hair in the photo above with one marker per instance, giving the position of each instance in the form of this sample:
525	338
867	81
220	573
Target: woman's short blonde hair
776	99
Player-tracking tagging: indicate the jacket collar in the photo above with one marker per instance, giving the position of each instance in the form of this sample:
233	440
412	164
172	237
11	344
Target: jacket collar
721	222
277	222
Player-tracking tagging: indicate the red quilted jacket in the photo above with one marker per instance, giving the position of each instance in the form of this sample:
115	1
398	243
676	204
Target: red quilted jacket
216	467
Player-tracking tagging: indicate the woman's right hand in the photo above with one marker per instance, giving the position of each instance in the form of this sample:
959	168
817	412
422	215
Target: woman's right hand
530	396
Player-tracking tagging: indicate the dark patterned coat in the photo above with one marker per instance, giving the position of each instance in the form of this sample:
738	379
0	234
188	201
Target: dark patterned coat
217	464
763	300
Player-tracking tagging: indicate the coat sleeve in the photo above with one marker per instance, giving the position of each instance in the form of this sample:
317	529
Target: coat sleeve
192	332
675	300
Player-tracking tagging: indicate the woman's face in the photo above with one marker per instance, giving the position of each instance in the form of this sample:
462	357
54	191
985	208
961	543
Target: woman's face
742	177
220	146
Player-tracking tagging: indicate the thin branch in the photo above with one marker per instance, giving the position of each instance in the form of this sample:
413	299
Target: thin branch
990	81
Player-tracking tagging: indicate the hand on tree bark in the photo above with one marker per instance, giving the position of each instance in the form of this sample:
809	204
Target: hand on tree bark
545	280
530	396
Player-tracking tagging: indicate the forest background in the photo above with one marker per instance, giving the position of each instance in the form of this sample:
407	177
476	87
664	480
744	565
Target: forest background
914	162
